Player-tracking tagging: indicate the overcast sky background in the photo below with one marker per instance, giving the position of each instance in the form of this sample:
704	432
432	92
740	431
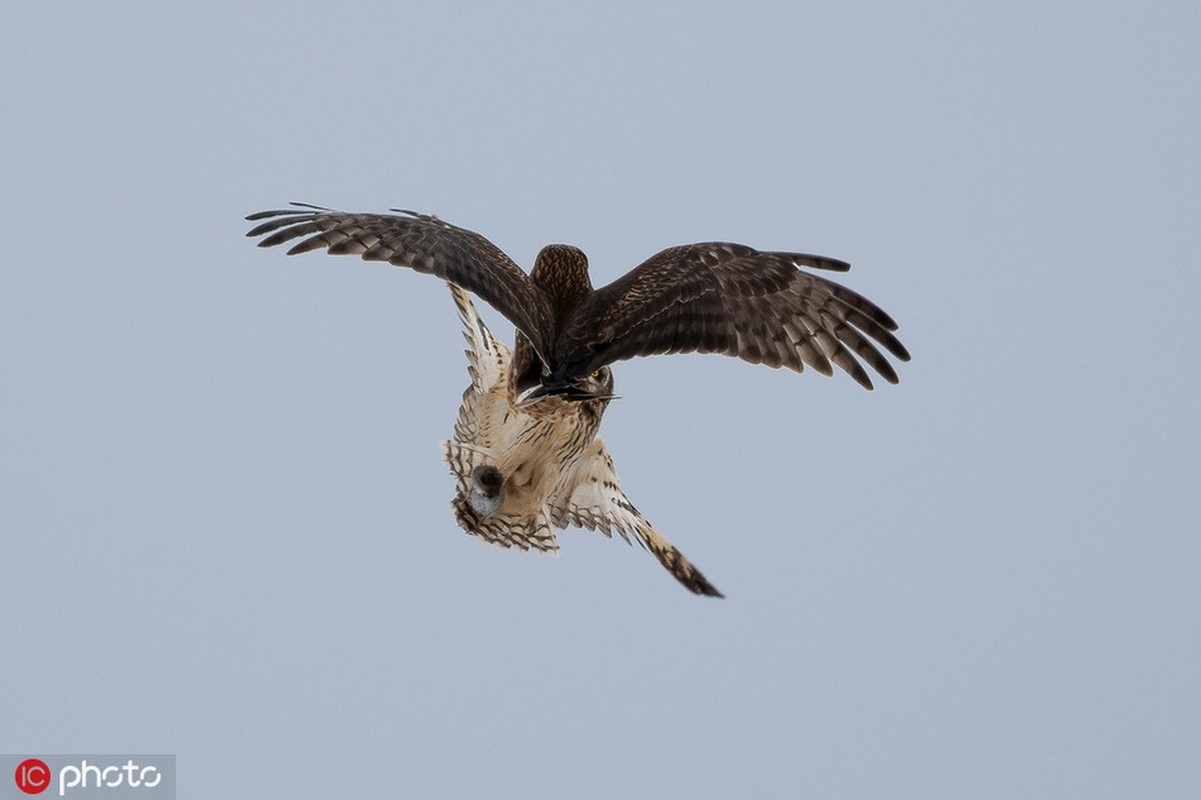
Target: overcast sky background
224	523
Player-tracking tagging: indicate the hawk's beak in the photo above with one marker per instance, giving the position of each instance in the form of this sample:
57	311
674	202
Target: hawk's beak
532	395
567	391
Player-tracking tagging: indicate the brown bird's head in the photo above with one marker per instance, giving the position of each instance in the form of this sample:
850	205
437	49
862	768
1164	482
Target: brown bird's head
561	275
597	385
561	272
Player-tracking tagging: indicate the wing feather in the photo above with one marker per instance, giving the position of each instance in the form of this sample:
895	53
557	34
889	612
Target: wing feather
487	359
593	499
418	241
718	297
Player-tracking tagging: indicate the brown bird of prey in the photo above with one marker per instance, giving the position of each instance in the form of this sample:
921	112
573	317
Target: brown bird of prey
525	450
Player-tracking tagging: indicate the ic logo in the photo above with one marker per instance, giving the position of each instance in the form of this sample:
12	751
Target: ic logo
33	776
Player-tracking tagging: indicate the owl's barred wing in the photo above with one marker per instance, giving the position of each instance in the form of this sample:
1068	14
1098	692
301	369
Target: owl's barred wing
594	500
487	358
418	241
717	297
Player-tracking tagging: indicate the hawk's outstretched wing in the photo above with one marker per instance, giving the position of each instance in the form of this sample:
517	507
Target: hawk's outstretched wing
594	500
421	242
711	297
717	297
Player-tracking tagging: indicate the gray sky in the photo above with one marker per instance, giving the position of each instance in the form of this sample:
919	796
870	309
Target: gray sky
225	524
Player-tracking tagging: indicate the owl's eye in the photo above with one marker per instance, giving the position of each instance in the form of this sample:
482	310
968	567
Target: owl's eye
596	375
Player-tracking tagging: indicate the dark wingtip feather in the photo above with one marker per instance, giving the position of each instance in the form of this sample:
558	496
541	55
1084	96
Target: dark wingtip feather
697	583
861	377
284	212
815	262
317	242
887	372
269	226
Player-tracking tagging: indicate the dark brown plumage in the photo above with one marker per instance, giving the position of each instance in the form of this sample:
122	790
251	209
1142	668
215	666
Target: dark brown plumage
712	297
